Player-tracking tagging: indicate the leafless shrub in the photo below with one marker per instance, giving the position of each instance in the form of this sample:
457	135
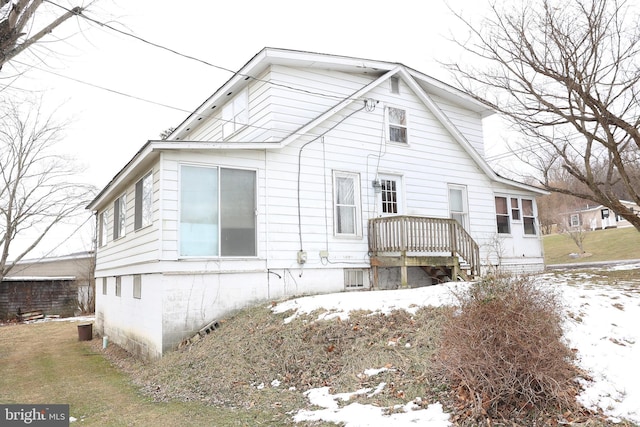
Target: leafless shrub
503	349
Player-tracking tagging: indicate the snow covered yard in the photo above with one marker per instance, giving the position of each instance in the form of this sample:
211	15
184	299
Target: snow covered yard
601	324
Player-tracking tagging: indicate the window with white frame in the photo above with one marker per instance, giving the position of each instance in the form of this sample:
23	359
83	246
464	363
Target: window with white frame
103	224
502	215
235	114
354	278
137	286
104	286
389	195
346	195
119	217
458	206
515	209
397	119
143	202
574	220
528	217
118	286
217	211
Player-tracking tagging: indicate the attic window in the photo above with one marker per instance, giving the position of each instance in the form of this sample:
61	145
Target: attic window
395	85
235	114
397	120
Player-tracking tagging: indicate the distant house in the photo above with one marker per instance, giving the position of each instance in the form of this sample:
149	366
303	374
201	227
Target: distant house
598	217
304	173
60	285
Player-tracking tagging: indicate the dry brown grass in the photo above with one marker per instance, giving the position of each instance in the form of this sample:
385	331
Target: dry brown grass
503	350
237	363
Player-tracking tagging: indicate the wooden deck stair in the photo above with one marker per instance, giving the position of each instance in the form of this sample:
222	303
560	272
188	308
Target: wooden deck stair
438	245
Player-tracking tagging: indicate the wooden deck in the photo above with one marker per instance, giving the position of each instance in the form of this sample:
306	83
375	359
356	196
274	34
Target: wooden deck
406	241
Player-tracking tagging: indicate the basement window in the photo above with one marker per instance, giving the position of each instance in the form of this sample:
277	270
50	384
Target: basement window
137	286
354	278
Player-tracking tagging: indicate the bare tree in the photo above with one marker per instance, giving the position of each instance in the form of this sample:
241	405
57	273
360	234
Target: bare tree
16	19
37	191
566	74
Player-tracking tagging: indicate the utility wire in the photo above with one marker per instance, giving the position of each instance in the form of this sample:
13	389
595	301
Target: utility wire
117	92
175	52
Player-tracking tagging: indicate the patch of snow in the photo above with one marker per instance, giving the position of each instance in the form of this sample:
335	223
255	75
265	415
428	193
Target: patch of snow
359	415
275	383
339	305
601	324
373	372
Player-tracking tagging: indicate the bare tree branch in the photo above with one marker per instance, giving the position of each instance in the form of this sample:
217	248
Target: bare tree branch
37	191
566	74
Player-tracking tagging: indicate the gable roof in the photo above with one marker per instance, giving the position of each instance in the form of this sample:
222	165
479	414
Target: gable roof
295	58
423	86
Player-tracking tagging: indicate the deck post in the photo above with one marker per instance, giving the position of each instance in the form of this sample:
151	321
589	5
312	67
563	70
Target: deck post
404	277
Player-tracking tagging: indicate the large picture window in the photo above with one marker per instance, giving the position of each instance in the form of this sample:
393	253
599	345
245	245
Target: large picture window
347	205
217	211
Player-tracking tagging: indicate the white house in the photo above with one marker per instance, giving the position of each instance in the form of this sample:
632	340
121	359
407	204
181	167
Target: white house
598	217
304	173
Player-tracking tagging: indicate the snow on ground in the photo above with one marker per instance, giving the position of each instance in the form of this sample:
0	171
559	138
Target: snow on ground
602	324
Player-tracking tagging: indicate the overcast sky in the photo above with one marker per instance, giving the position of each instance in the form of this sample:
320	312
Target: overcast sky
96	77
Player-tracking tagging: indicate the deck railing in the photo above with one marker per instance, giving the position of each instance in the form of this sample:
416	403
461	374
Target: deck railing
423	235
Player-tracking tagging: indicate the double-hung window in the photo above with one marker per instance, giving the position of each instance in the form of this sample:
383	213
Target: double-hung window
103	223
502	215
235	114
574	220
119	217
458	207
346	194
515	209
528	217
143	202
217	211
397	119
